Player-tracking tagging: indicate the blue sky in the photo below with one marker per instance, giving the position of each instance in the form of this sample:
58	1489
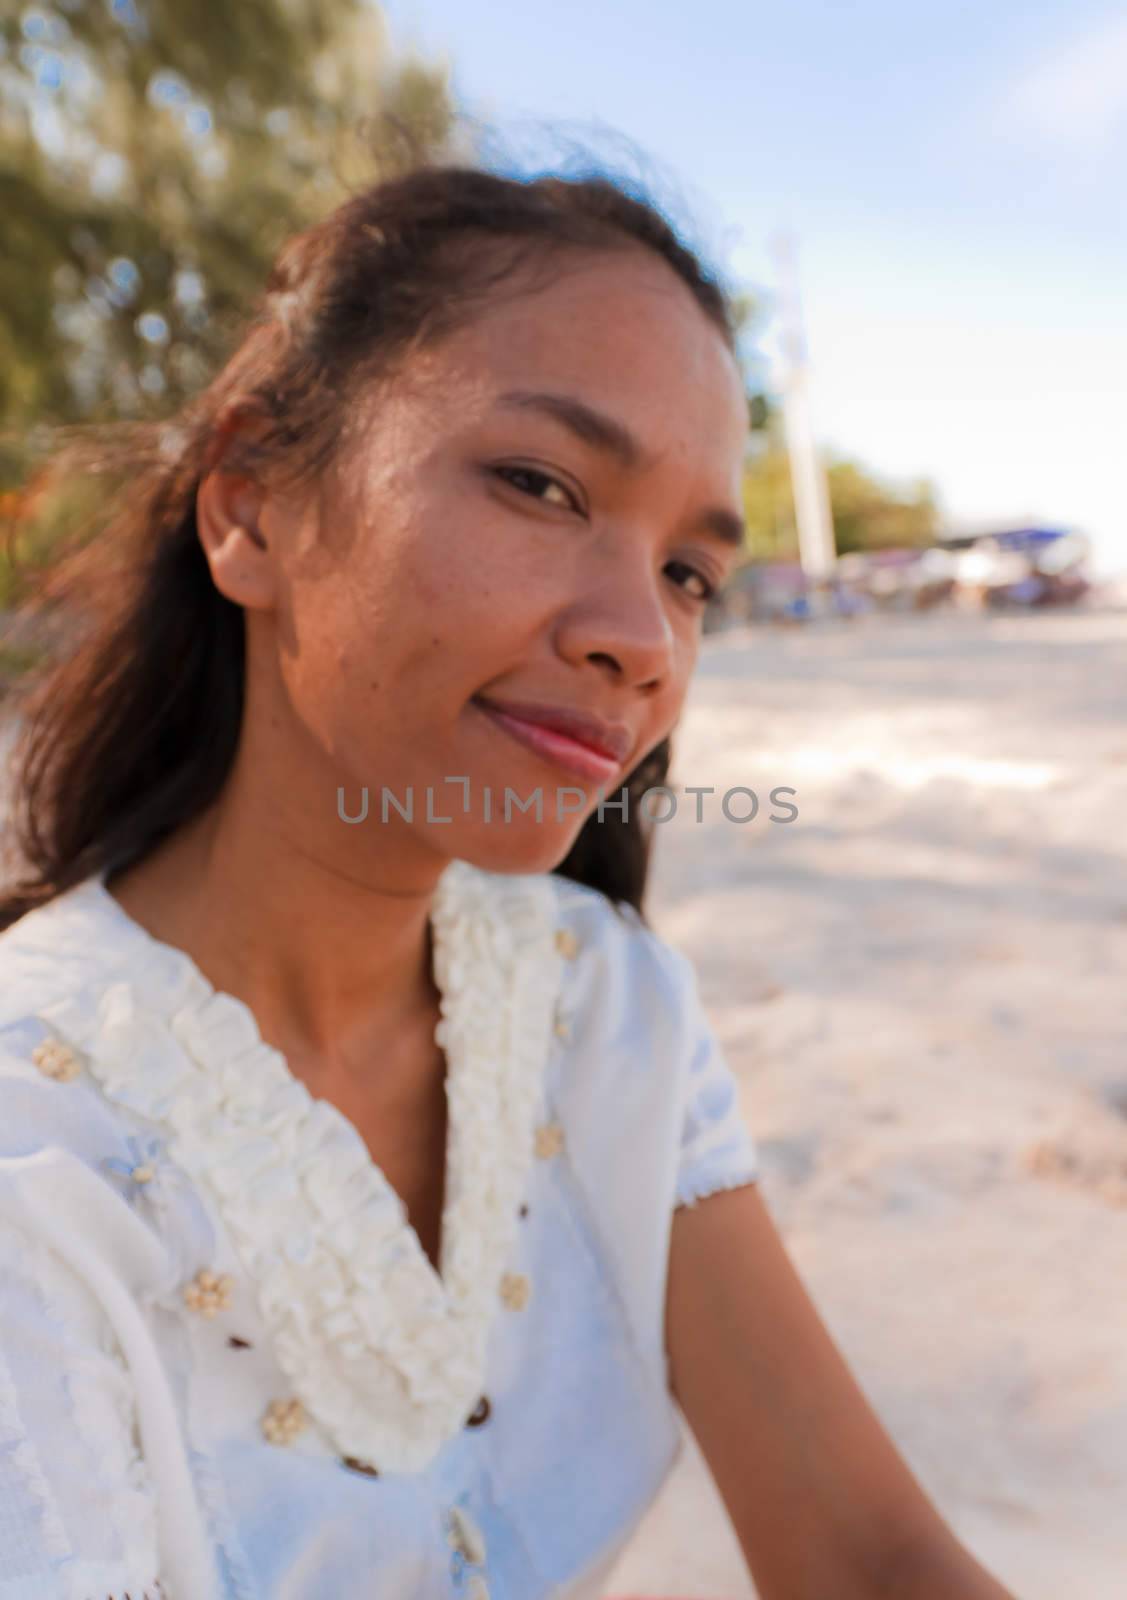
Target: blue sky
953	174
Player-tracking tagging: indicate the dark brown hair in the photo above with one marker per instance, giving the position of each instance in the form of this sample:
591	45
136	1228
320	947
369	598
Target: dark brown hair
132	732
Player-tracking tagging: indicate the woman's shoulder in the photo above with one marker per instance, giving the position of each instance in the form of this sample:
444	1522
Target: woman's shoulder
624	978
631	1025
66	944
649	1105
58	964
51	956
54	962
644	1060
67	1149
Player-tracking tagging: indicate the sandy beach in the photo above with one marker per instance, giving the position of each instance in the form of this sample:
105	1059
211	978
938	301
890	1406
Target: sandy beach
920	984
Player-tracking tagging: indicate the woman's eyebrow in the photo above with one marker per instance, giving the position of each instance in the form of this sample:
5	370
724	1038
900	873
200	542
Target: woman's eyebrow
614	438
593	427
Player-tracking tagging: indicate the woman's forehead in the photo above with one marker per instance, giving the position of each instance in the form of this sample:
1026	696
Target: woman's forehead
593	308
626	340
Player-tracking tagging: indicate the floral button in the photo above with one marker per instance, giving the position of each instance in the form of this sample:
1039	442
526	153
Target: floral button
136	1170
284	1420
515	1290
209	1292
549	1139
561	1029
56	1060
567	944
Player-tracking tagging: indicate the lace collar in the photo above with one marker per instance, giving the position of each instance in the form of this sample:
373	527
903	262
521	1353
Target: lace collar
387	1355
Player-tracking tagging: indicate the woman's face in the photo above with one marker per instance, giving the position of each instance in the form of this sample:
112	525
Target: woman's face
533	512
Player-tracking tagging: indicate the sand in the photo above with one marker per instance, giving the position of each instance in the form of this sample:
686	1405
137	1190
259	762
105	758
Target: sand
920	983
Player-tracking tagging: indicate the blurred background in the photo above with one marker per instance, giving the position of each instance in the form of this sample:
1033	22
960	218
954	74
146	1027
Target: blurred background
920	981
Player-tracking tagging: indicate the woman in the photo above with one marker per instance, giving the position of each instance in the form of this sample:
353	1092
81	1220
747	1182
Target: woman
374	1202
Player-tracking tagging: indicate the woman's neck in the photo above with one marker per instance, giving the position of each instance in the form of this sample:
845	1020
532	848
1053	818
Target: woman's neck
333	970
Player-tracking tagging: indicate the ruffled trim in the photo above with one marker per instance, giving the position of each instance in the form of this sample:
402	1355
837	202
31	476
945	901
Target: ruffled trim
716	1178
387	1355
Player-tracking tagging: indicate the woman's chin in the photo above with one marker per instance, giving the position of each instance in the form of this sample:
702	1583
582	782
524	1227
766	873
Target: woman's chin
520	846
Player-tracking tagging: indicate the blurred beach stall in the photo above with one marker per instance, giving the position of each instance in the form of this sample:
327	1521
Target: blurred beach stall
1004	567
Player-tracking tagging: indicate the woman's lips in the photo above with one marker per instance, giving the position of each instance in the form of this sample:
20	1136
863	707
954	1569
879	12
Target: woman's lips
576	758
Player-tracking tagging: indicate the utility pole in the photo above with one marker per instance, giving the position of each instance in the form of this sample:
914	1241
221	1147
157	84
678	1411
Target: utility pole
817	550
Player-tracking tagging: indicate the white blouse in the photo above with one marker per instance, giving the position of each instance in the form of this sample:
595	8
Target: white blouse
228	1369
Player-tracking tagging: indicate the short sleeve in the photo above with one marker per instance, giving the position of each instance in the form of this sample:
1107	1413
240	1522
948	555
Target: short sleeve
77	1514
717	1150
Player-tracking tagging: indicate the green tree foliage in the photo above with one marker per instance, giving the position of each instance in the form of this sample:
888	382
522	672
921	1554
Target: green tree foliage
868	513
872	515
769	504
154	154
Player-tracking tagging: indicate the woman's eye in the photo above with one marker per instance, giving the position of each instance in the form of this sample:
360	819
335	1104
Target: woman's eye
708	588
531	481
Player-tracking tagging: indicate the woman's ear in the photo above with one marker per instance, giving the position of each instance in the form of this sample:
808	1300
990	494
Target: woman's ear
229	525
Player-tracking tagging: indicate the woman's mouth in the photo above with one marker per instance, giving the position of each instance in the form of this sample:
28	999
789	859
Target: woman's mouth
563	751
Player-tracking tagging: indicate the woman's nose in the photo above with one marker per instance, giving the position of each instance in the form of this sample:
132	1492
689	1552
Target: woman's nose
621	621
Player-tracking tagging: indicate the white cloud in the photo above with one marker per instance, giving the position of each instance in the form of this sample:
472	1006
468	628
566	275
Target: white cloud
1077	96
